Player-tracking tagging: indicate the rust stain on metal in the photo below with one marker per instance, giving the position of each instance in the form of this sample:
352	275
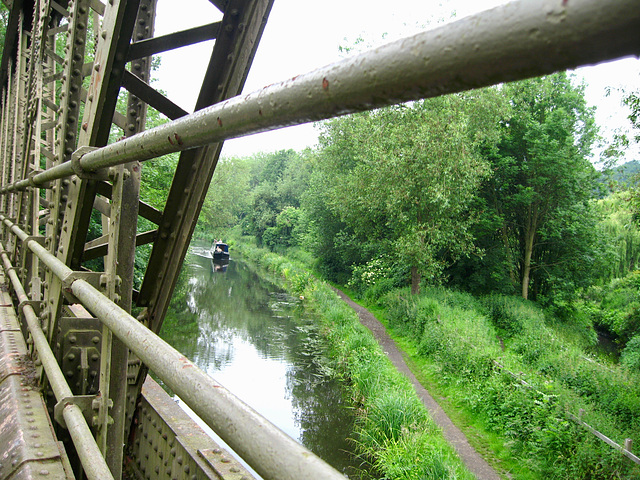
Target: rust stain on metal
170	140
178	139
219	122
325	84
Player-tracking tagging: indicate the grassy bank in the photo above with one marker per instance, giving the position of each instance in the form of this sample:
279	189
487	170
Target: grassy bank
507	373
394	430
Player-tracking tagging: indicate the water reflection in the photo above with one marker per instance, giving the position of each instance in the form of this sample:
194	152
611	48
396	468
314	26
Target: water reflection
253	339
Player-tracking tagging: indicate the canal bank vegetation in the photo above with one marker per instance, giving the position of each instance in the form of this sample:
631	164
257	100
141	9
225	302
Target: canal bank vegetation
499	364
504	263
394	432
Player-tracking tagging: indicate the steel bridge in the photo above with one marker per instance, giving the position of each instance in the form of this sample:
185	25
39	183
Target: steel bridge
76	345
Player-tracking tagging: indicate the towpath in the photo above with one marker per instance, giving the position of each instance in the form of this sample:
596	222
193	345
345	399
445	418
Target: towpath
472	459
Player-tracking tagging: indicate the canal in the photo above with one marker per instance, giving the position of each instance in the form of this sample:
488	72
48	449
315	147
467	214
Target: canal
257	341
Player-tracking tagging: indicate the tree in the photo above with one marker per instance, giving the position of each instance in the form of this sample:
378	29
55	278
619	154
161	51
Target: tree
279	180
542	179
227	200
4	20
403	177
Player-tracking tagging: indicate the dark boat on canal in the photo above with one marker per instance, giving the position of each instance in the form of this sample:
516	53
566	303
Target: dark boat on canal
220	251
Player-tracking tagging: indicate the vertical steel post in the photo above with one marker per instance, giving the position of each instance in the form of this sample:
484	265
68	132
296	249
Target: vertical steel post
122	396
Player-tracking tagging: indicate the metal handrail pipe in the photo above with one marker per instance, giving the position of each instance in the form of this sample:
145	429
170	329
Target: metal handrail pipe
93	463
91	458
58	268
55	376
521	39
268	450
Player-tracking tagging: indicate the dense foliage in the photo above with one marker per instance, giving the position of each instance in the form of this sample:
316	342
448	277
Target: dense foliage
499	358
489	190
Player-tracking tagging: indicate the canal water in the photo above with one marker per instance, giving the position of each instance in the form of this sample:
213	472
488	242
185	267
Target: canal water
255	340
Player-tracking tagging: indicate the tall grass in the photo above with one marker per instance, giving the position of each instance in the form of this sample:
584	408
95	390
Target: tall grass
394	432
510	370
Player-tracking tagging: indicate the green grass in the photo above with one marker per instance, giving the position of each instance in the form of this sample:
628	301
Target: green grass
394	431
453	342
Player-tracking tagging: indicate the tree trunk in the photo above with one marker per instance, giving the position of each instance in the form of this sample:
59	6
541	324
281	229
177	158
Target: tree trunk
415	281
509	254
529	237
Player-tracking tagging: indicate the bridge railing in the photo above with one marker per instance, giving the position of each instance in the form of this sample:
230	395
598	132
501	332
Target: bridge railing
516	41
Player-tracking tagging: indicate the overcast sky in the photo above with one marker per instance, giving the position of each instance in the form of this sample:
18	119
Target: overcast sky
302	35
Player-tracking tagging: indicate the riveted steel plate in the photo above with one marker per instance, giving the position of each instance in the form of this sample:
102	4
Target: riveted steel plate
45	470
13	354
8	320
27	444
28	448
167	443
13	349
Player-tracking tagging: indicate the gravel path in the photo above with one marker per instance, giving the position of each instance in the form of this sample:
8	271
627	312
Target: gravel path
473	461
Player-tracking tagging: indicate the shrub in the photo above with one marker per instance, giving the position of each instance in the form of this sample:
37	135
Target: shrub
511	315
631	354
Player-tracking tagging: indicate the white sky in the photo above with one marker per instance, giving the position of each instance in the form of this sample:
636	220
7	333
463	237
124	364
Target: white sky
302	35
